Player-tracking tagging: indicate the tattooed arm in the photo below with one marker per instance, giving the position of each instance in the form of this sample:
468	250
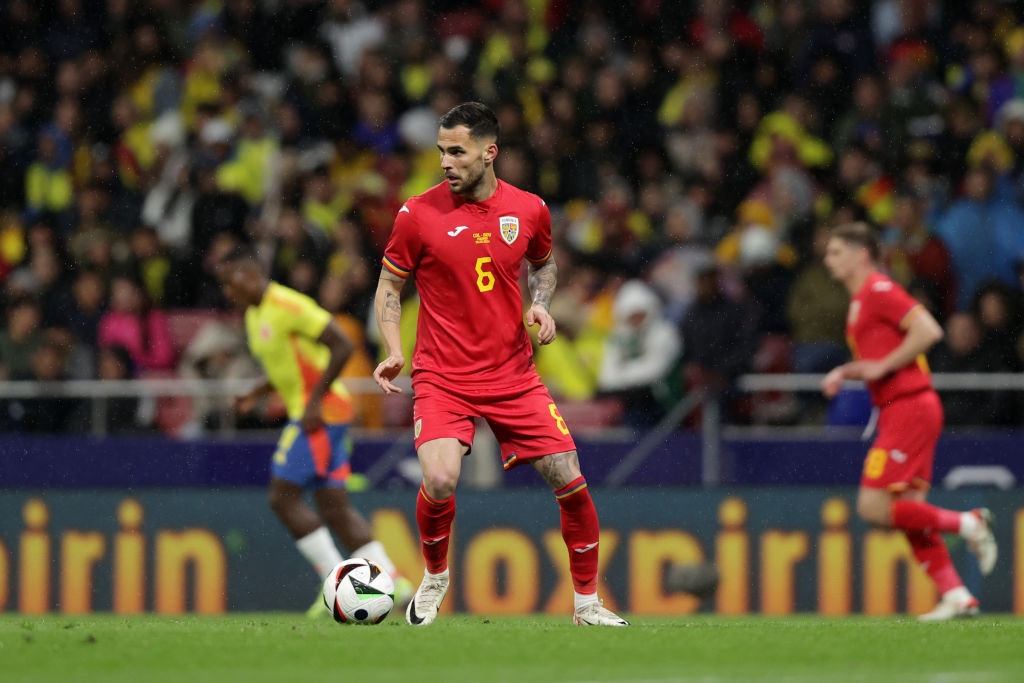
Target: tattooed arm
542	280
387	307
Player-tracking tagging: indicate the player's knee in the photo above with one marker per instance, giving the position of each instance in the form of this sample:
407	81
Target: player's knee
872	513
278	502
440	485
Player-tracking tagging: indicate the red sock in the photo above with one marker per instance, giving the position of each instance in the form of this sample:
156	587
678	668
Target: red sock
913	515
930	551
581	530
434	518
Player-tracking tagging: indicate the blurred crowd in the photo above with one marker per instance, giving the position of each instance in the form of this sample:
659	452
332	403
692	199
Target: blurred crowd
694	155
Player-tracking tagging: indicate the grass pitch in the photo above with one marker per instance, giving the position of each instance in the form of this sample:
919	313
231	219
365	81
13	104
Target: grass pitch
288	647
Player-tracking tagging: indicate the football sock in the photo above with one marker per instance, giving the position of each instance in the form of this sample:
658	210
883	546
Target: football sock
374	551
580	599
930	551
580	530
434	518
318	547
912	515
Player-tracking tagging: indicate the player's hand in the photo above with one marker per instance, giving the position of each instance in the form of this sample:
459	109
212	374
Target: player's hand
833	382
539	314
246	402
386	372
870	370
311	420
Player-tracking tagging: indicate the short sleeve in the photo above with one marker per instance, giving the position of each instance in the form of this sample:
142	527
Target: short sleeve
891	302
306	317
404	246
539	250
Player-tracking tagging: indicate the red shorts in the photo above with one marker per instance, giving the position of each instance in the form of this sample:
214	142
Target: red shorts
524	419
902	455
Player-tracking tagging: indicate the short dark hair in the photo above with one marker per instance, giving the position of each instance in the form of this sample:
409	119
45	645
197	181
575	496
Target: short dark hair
243	253
859	235
478	117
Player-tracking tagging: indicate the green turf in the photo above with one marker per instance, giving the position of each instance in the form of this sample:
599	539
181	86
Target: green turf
286	647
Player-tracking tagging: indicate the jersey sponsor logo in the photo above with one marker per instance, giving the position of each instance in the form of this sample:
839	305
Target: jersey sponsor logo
457	230
882	286
509	226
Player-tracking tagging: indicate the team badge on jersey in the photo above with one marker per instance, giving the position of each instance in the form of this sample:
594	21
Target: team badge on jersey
418	428
509	226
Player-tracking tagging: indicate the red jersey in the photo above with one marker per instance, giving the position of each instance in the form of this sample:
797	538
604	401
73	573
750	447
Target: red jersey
467	257
873	332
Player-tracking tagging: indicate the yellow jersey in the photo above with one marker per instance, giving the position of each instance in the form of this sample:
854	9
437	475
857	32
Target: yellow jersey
283	331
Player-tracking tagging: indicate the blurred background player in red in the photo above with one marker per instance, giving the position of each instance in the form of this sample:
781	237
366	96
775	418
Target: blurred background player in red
889	332
465	240
303	350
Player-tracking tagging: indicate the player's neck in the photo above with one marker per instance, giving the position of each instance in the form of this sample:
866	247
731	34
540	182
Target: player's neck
858	278
485	189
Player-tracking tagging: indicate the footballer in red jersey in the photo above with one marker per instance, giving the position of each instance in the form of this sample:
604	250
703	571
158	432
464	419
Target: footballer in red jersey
888	333
464	242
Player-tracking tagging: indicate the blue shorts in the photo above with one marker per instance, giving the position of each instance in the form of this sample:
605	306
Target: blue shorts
312	460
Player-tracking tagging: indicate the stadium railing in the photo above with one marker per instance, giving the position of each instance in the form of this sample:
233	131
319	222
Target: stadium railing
97	392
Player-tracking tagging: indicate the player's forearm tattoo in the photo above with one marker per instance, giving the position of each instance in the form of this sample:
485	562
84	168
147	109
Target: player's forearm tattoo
542	282
392	308
558	469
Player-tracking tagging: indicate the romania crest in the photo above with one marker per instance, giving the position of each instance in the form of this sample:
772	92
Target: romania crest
418	428
509	226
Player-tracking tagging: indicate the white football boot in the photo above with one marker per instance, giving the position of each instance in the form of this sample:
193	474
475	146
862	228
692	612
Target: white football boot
422	609
982	542
594	614
955	604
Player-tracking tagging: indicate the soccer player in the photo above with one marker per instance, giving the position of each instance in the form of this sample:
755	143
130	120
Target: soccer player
889	333
302	350
465	240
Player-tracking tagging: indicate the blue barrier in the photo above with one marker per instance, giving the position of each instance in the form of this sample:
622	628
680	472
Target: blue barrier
157	461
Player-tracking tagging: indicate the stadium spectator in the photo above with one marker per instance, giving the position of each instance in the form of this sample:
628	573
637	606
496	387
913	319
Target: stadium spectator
963	350
132	322
983	235
638	354
816	311
211	122
21	338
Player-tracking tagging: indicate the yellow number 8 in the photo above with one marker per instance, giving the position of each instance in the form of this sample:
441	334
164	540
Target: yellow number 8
559	420
875	464
485	278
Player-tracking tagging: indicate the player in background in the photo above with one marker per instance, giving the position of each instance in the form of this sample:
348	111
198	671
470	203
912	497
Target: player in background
888	333
302	350
465	240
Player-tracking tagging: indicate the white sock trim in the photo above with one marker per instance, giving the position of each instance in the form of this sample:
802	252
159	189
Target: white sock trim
969	524
438	575
581	599
319	550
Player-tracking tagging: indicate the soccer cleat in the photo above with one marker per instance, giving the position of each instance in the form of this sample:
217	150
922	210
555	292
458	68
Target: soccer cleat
594	614
953	606
404	590
318	609
983	542
422	609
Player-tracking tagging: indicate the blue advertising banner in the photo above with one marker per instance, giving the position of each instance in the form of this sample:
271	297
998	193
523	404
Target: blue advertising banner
778	550
243	460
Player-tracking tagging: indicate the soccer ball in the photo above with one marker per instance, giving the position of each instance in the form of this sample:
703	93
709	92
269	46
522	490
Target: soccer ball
358	591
